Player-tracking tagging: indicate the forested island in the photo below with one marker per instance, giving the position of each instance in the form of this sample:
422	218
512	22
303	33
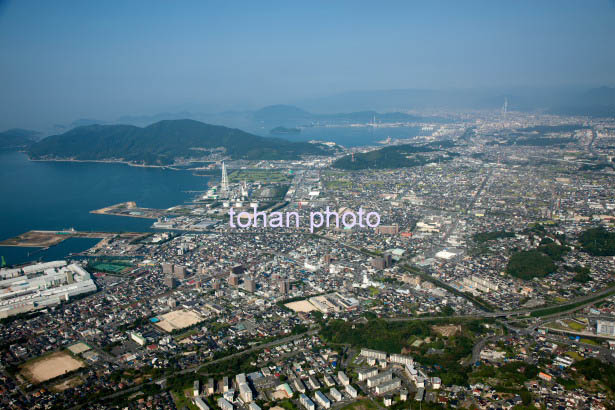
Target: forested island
164	142
284	130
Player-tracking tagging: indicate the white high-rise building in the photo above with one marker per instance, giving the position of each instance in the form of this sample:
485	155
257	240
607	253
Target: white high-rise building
245	392
306	402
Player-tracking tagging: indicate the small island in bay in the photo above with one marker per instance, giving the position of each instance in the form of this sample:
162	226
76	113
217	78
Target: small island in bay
284	130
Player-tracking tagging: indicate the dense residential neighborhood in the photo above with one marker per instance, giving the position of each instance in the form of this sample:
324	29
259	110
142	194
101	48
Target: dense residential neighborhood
487	283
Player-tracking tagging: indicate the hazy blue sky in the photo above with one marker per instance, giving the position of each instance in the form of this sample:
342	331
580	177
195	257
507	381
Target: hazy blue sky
62	60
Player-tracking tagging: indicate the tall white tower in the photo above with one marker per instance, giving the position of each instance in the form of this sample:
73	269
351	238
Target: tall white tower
224	183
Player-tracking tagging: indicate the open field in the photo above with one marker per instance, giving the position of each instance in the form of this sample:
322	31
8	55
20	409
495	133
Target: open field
575	325
109	267
178	319
181	400
301	306
47	367
574	355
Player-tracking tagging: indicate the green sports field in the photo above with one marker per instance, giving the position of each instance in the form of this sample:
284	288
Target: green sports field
109	267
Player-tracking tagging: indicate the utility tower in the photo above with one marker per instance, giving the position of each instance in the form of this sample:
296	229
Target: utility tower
224	183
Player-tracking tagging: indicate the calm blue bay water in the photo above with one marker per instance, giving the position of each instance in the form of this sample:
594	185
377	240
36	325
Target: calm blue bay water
353	136
59	195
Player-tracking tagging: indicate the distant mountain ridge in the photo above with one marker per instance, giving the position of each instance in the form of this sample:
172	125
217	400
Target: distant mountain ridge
261	120
396	105
292	116
164	142
596	102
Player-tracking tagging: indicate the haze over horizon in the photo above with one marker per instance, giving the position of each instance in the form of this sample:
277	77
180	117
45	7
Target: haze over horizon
104	61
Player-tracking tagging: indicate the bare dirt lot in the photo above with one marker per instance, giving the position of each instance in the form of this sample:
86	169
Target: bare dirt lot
34	239
115	208
178	319
447	330
301	306
50	366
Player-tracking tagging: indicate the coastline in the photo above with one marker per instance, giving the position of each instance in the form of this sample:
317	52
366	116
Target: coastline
104	161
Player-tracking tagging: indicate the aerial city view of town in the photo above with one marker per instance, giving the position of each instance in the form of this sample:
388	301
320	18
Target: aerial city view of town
445	258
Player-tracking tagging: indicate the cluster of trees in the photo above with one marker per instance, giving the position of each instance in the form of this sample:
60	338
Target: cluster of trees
598	242
530	264
180	381
396	156
510	378
537	262
594	369
135	324
298	329
441	144
232	365
553	250
582	273
392	337
511	374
